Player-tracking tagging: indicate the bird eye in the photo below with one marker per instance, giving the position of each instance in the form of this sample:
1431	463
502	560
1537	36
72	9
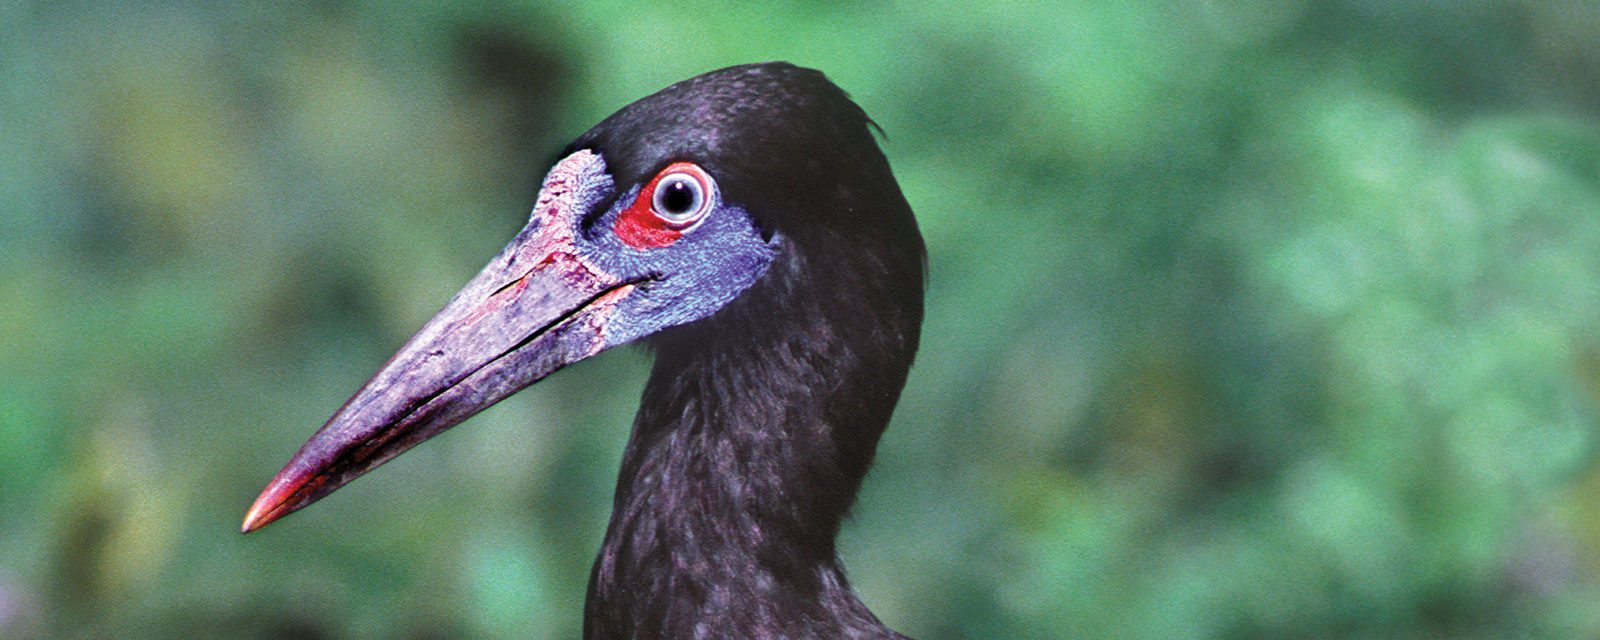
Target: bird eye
682	195
670	205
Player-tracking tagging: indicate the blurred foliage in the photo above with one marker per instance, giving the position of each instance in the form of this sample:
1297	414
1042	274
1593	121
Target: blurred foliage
1248	318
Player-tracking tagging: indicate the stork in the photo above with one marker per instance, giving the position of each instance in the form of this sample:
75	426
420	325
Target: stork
746	226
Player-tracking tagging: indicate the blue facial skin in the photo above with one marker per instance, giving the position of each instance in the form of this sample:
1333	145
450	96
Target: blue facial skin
705	269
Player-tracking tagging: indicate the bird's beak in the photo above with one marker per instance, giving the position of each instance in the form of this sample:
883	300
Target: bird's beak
537	307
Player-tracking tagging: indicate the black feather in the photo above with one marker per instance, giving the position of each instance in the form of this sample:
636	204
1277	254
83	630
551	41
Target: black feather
760	421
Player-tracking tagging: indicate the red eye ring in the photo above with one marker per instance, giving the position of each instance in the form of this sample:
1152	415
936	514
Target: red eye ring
670	205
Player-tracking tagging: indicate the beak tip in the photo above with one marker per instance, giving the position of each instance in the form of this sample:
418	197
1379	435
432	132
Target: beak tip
272	504
252	521
256	518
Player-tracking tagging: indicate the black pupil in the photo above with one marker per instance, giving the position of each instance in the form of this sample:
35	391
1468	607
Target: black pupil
678	199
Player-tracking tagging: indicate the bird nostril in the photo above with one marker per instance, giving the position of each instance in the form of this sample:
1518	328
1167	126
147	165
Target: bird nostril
519	281
493	301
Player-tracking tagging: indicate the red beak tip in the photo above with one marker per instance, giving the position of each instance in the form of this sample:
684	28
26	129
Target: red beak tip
259	516
270	505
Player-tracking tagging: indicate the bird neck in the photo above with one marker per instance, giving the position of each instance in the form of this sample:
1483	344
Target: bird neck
746	455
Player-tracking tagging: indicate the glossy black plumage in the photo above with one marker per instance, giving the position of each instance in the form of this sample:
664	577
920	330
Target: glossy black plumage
759	422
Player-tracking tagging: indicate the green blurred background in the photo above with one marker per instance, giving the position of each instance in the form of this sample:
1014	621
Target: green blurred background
1247	318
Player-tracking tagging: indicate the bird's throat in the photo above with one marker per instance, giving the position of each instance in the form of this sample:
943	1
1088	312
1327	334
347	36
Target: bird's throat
743	462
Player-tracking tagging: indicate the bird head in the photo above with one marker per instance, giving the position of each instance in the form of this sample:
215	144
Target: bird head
655	220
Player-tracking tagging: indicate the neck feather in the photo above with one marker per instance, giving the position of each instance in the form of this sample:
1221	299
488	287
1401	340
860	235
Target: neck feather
747	452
